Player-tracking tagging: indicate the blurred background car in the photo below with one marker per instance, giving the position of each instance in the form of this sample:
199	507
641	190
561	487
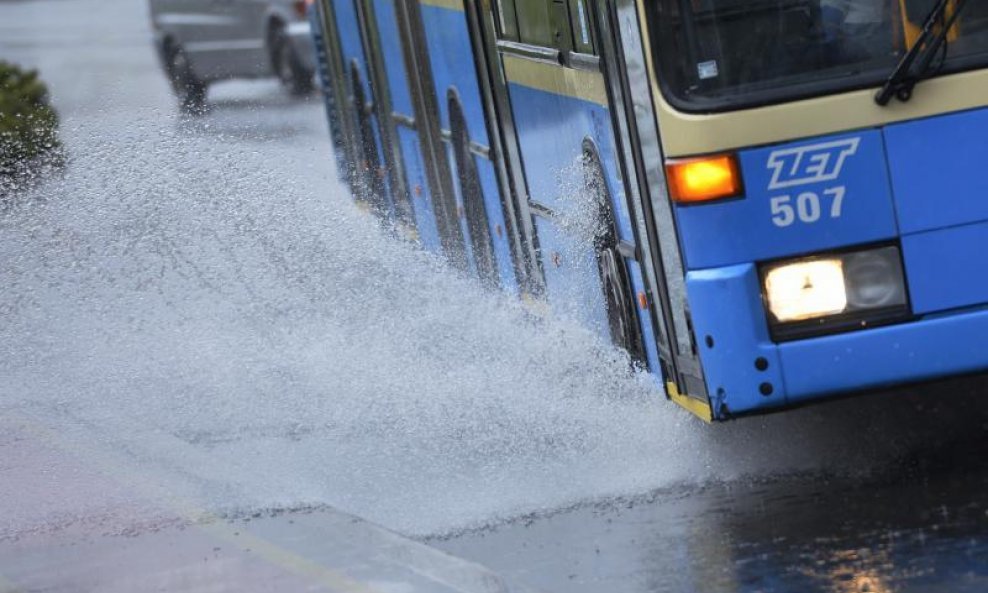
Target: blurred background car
204	41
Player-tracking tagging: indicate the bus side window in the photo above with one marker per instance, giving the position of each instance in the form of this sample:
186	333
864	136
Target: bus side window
559	24
533	22
507	20
580	17
562	33
545	23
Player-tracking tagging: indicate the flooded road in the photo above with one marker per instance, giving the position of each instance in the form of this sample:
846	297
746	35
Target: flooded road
919	524
197	324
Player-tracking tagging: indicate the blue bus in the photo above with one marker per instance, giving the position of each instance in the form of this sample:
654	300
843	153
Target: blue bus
764	202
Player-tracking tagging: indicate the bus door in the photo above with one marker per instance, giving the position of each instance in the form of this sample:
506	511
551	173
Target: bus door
627	69
401	20
557	115
386	41
385	95
369	175
457	67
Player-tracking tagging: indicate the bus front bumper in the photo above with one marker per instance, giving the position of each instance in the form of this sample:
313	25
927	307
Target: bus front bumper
747	372
927	348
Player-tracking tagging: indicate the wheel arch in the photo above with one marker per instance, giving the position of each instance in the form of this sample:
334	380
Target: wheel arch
471	191
622	314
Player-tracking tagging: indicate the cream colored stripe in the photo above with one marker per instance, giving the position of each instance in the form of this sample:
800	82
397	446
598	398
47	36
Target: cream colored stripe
450	4
580	84
691	134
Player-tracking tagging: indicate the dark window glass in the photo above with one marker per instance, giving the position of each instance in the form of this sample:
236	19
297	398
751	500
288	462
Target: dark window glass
580	18
559	24
535	22
724	54
507	20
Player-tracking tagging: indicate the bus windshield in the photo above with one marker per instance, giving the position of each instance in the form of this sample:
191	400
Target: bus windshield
716	55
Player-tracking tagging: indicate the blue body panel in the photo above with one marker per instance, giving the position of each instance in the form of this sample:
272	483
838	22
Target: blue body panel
571	278
346	17
394	64
849	168
390	210
938	213
451	58
498	227
924	349
453	71
353	56
930	347
731	333
937	168
423	210
947	268
551	131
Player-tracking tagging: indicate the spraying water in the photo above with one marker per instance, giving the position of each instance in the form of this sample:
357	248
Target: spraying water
204	299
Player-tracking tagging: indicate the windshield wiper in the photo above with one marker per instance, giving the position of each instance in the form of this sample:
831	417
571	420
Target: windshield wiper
931	38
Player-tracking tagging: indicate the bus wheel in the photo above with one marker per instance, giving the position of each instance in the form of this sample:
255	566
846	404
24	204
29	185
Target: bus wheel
187	86
622	318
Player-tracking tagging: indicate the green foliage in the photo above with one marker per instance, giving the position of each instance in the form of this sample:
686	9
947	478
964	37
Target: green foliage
28	124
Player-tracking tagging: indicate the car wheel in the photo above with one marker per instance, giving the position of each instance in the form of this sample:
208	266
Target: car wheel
189	88
294	77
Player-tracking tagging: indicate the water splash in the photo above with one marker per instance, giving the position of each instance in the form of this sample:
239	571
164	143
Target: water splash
173	285
202	303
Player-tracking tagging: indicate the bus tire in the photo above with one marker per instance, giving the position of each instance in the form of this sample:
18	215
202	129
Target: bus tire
622	321
622	317
288	67
187	86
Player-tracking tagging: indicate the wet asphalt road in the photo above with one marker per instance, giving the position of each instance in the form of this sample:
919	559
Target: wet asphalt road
898	502
916	524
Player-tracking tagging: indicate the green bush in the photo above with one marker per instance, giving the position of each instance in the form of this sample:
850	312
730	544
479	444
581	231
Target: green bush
28	124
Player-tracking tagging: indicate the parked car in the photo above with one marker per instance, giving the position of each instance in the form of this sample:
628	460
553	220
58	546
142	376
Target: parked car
203	41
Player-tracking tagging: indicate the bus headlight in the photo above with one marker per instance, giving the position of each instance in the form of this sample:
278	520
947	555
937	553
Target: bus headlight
806	289
874	279
834	292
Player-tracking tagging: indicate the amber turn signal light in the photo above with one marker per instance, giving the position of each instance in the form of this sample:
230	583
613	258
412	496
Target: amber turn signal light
704	179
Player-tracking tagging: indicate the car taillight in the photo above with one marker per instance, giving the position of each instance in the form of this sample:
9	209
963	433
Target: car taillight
302	7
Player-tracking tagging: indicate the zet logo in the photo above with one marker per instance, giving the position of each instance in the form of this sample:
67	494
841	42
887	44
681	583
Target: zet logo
810	164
